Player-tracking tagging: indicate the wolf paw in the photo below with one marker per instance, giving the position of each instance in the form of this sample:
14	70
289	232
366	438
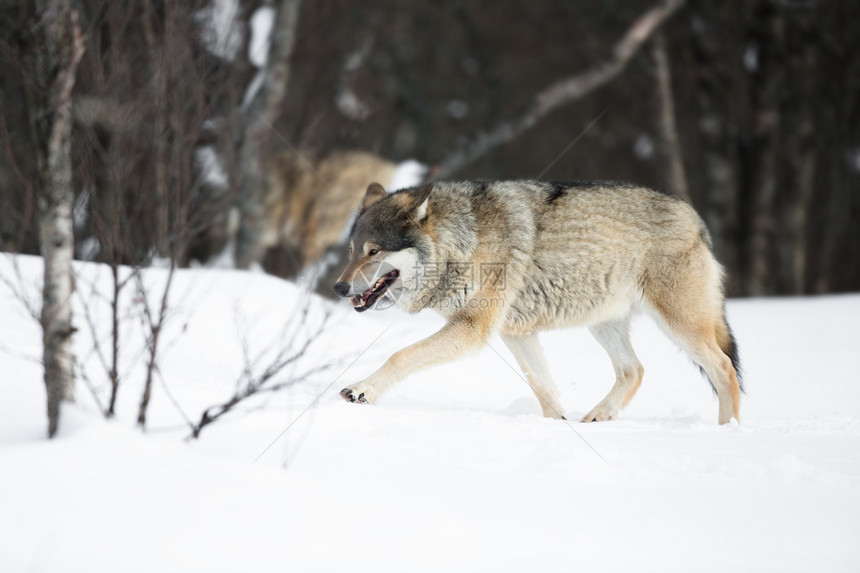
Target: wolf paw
600	413
357	393
554	413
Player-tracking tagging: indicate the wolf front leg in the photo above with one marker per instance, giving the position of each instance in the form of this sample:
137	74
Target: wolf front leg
529	355
463	334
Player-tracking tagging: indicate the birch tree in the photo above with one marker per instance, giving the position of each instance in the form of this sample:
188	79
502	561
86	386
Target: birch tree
57	63
258	128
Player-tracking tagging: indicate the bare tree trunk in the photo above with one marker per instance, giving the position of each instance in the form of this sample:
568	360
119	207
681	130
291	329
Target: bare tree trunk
159	88
719	177
802	60
800	219
763	223
57	68
563	91
258	128
768	134
668	128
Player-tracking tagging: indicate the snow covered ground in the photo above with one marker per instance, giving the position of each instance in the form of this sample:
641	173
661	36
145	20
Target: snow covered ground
454	469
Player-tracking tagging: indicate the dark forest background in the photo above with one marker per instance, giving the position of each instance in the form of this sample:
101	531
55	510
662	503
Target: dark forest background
749	108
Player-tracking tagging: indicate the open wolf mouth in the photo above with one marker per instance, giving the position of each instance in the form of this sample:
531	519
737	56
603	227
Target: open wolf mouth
368	298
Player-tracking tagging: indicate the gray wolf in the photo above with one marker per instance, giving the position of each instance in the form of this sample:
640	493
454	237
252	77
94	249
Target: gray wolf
569	254
309	199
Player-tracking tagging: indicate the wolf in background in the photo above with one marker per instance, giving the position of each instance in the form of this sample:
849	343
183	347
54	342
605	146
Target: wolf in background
572	254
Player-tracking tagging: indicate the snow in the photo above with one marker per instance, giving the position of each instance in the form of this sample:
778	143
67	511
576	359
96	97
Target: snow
853	157
751	58
457	109
349	104
347	101
454	469
219	33
81	209
88	249
254	86
643	147
211	169
407	174
262	22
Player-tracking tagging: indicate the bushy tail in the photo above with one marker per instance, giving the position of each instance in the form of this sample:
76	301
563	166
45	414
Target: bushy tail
729	346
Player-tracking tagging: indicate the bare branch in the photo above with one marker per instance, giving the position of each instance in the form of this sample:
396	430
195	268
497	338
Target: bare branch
173	399
82	375
563	91
109	365
93	329
255	381
155	326
20	291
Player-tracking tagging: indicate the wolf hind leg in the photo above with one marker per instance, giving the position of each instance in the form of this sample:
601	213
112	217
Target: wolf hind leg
529	355
701	343
689	304
614	337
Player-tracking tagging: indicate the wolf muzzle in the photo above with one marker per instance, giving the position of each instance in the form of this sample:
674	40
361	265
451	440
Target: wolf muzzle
341	288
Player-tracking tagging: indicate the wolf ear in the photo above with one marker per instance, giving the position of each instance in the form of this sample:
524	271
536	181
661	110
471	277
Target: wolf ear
374	193
419	203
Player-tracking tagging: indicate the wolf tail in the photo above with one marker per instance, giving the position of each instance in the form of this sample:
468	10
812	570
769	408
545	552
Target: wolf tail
729	346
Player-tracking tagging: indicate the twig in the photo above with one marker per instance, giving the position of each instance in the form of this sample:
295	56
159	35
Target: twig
155	328
82	375
173	399
19	291
284	362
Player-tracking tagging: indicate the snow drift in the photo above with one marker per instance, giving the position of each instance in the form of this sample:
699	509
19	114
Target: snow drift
454	469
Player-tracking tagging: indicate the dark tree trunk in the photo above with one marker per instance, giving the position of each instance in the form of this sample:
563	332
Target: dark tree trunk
668	128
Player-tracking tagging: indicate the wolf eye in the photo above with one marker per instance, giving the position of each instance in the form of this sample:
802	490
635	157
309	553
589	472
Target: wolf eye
372	252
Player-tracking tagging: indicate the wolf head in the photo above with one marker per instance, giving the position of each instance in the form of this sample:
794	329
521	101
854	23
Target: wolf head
387	246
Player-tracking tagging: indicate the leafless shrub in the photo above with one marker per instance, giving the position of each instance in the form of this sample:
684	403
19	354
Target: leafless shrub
282	364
